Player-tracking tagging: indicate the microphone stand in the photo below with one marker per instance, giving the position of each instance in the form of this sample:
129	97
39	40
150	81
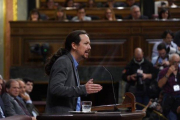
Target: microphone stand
112	79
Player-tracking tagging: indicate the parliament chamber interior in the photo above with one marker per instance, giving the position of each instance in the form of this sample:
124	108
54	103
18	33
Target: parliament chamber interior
134	56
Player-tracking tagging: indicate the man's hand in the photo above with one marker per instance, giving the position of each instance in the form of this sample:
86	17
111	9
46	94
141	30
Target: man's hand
92	88
133	77
25	97
33	118
166	63
171	70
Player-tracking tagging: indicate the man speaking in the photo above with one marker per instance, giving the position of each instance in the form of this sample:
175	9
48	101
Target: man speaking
64	89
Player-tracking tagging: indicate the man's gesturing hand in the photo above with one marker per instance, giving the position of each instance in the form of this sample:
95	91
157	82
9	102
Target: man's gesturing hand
92	88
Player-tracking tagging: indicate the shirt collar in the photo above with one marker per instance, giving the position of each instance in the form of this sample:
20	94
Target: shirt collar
75	62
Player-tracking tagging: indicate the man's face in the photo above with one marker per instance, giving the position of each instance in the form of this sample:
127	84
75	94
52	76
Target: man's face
168	39
83	48
138	57
1	83
162	53
81	13
136	13
70	3
29	87
14	89
175	61
22	89
50	4
130	2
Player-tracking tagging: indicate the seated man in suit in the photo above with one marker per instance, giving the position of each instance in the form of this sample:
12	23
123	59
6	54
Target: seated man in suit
136	13
26	99
81	15
29	86
129	3
12	105
1	102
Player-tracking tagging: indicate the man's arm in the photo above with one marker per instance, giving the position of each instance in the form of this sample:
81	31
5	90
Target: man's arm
164	77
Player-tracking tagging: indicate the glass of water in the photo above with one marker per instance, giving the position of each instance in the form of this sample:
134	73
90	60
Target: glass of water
86	106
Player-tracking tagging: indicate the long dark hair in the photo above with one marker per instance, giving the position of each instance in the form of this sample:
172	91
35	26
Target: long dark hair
72	37
163	10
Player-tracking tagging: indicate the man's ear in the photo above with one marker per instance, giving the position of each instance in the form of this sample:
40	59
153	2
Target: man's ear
74	46
7	90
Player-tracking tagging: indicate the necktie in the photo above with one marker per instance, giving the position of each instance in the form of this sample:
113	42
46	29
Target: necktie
22	106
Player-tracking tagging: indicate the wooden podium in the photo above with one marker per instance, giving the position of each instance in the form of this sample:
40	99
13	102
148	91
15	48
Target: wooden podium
129	102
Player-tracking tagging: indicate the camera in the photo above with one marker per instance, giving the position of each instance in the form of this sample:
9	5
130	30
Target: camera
154	103
161	66
139	78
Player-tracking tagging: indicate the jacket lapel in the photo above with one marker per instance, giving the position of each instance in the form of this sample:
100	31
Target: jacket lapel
74	69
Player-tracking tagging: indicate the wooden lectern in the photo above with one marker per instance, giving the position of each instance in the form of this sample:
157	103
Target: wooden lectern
129	102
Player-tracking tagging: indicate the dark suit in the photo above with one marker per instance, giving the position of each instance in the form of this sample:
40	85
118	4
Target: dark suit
2	107
62	89
141	17
29	106
11	106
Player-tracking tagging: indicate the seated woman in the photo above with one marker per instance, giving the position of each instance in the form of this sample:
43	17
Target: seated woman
50	4
35	15
60	15
164	14
109	15
69	3
91	4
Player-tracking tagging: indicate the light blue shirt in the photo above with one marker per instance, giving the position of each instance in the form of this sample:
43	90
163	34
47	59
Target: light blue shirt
155	51
154	59
78	106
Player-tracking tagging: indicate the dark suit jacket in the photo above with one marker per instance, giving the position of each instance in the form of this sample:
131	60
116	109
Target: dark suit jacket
62	89
29	106
2	106
11	106
141	17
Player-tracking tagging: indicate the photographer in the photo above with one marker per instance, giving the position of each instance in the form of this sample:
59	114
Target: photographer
138	74
153	109
169	81
167	37
162	61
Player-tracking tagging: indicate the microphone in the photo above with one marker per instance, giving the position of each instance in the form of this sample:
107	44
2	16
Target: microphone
112	79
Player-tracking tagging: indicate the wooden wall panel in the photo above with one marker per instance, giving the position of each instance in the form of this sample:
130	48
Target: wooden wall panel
113	43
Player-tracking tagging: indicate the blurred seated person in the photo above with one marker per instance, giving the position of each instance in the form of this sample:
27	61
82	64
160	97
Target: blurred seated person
25	99
164	14
109	15
171	3
138	74
91	4
12	105
162	60
129	3
81	15
111	4
50	4
2	115
35	15
60	15
136	13
69	3
167	37
160	3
